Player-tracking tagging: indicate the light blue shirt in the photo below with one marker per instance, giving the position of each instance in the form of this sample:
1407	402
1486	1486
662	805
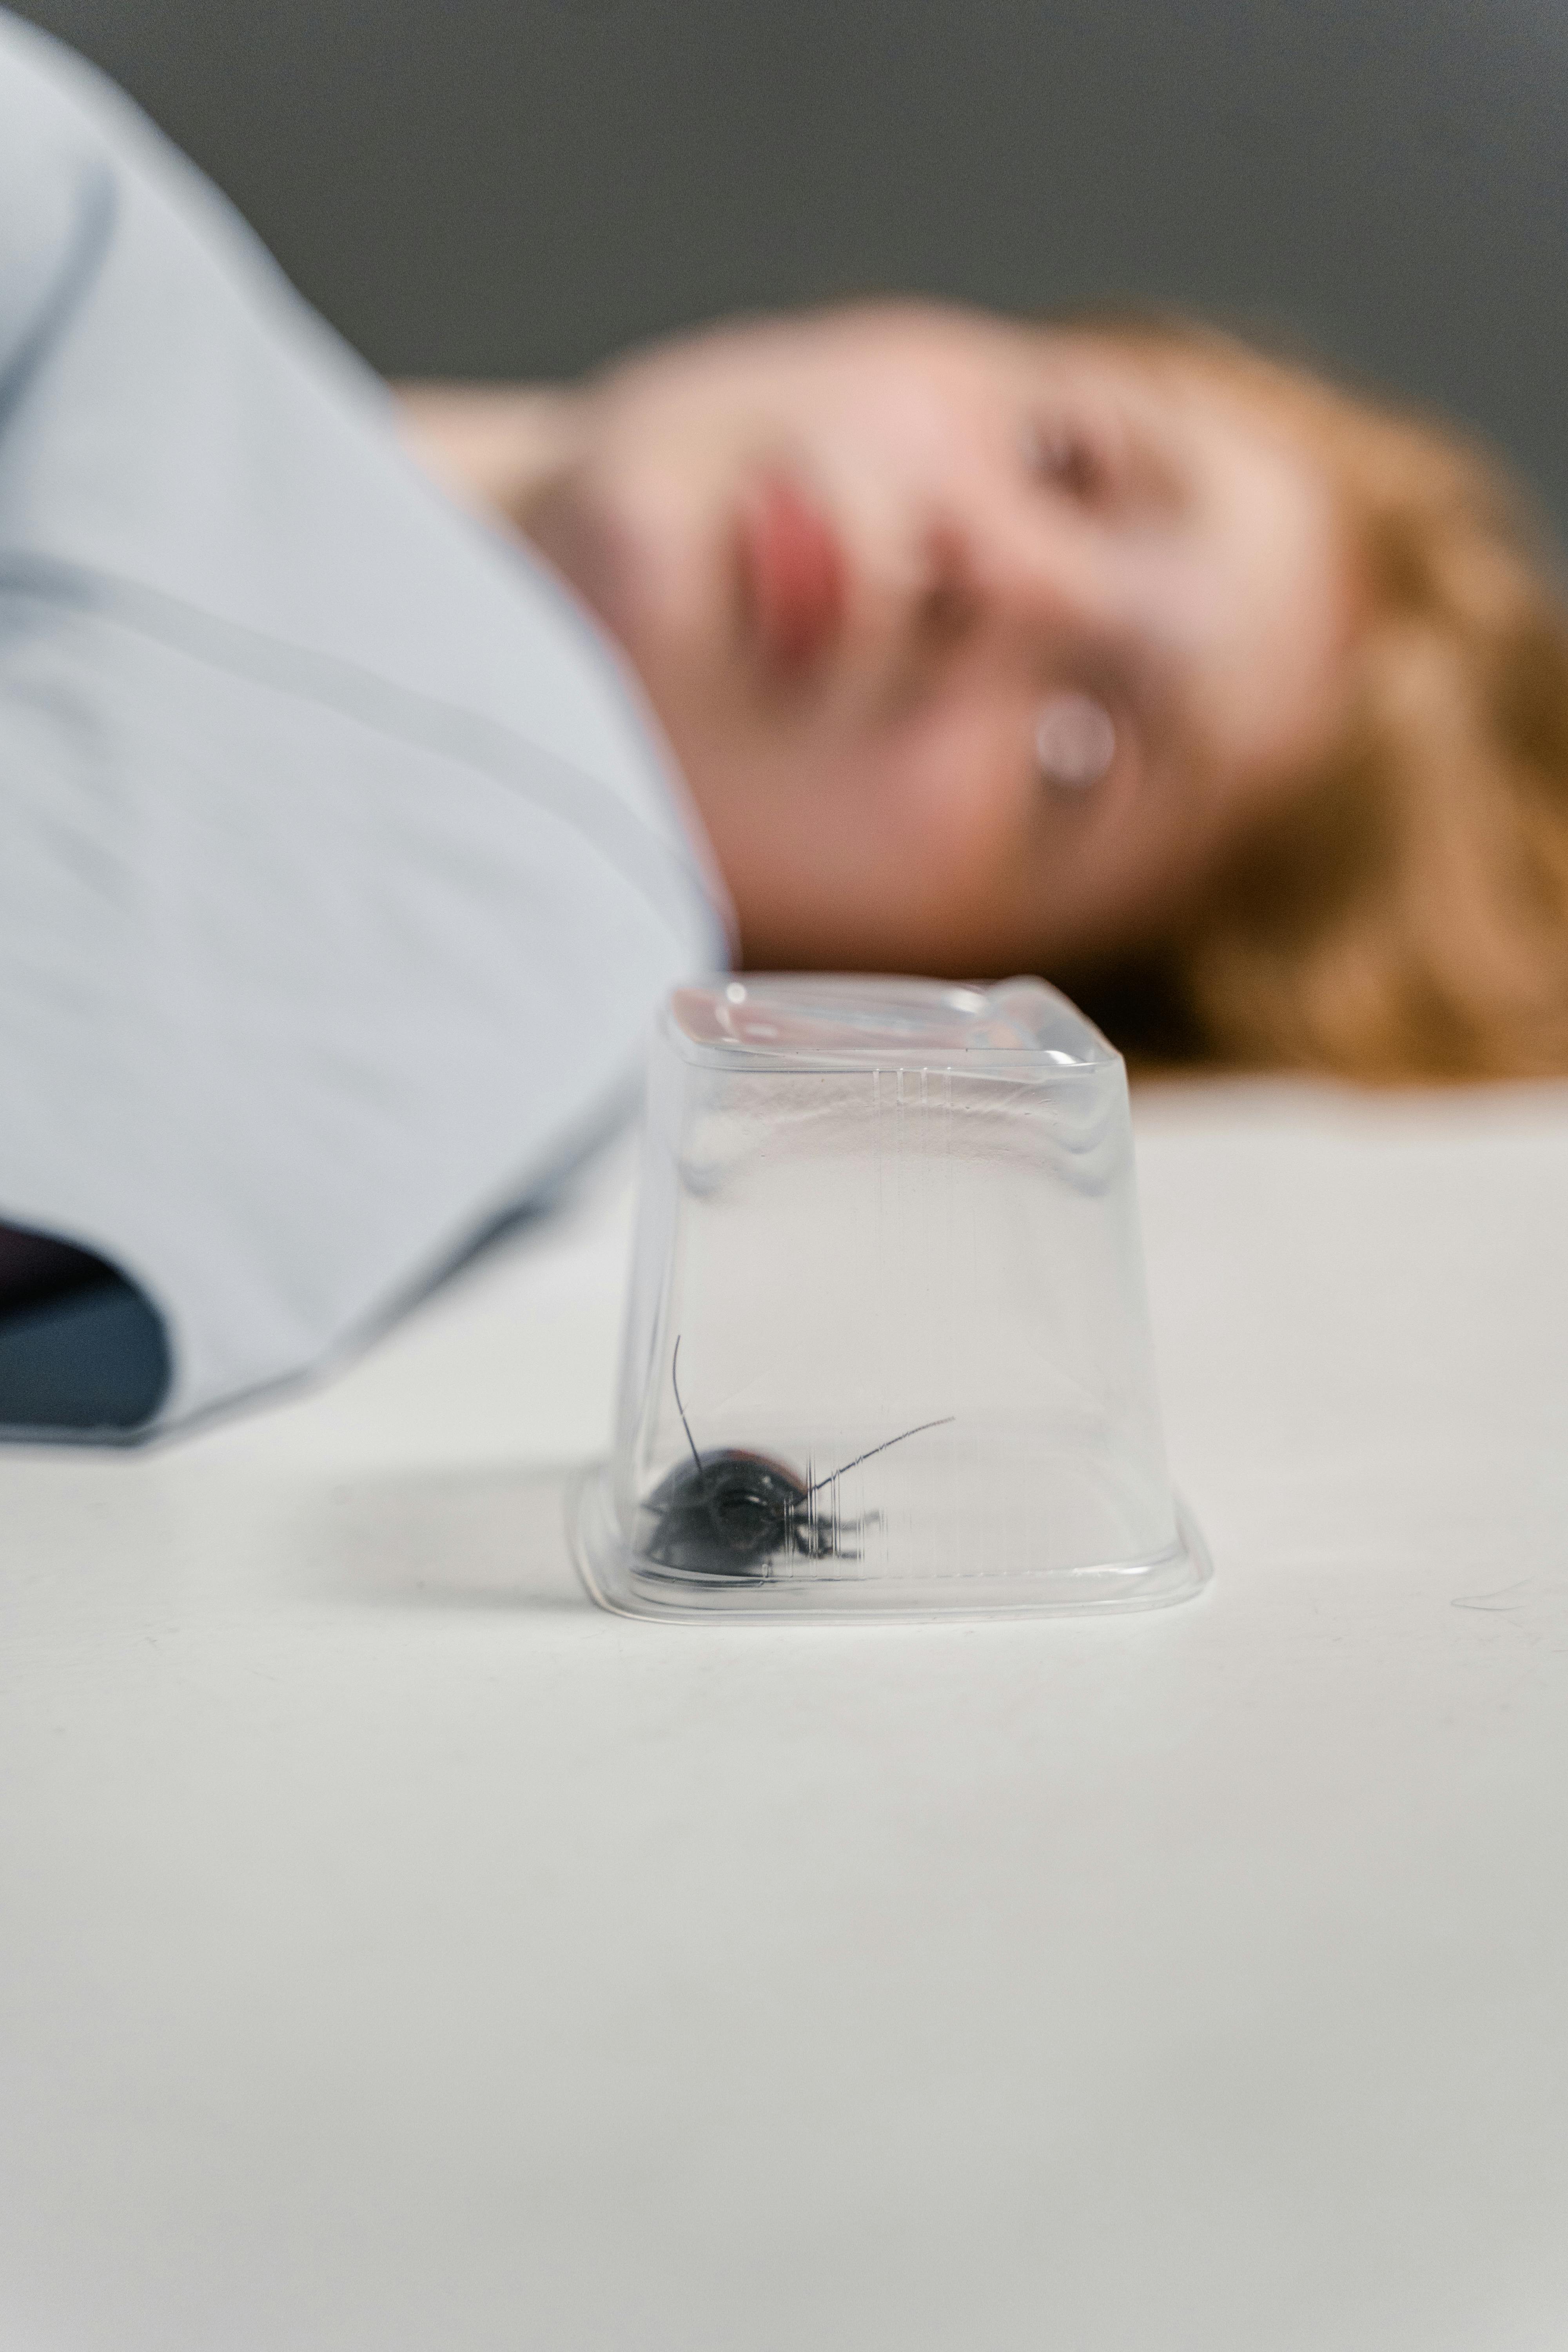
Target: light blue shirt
341	872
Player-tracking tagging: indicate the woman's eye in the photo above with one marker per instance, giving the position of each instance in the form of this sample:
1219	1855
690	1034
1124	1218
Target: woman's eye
1067	461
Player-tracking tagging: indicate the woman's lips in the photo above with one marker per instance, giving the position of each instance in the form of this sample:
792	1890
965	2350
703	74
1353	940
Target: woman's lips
792	576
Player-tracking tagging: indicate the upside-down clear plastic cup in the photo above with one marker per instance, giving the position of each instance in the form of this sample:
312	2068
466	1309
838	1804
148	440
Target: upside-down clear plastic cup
888	1349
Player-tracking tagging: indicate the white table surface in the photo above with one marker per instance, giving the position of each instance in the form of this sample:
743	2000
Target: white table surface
397	1952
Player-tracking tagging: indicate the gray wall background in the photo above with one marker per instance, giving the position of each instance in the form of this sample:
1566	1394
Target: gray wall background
519	186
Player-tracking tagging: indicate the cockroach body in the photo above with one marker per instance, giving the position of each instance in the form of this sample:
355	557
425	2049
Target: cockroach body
728	1513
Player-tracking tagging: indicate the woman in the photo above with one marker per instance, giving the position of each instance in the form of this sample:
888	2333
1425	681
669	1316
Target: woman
1236	701
344	871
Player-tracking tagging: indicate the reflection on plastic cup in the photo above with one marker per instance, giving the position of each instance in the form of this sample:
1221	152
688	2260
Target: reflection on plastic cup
887	1348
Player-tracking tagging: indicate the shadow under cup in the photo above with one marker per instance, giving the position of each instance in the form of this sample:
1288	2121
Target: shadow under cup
888	1346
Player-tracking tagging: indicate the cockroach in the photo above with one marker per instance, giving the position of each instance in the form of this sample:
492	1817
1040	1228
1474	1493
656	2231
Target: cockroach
728	1513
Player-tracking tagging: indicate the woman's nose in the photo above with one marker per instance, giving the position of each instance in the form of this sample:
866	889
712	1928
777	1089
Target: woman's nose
1042	584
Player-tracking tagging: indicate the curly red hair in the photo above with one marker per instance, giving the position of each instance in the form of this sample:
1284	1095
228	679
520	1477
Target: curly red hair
1404	915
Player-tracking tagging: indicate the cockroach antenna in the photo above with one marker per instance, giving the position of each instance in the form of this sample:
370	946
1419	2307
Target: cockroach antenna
704	1483
680	1409
818	1484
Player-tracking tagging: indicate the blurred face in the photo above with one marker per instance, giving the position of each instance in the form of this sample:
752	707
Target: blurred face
978	644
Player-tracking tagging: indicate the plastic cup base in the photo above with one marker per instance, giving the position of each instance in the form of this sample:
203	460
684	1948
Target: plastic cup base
629	1586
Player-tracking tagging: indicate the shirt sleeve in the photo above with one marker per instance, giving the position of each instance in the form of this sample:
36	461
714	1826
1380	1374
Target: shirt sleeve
342	867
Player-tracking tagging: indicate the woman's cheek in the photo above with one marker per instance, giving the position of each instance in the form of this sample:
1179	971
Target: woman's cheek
970	799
